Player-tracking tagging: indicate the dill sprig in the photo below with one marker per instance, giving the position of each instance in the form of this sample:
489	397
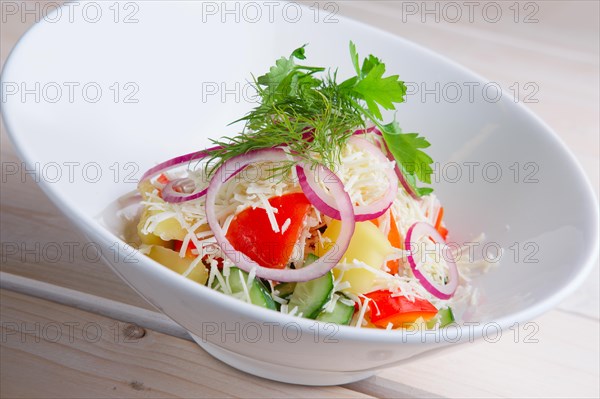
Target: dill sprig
308	115
315	116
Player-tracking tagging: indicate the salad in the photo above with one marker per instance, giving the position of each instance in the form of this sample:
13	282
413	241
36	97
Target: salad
317	208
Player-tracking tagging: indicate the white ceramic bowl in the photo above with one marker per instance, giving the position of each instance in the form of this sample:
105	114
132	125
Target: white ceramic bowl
175	71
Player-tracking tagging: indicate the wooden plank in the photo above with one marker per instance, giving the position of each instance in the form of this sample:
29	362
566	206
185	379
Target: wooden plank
150	319
386	388
537	345
554	356
42	357
509	367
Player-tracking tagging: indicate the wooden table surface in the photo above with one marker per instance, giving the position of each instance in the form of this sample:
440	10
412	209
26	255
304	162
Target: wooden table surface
66	323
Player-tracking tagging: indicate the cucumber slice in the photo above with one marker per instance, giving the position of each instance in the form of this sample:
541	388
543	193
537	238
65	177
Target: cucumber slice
285	289
444	317
310	258
258	293
311	296
341	314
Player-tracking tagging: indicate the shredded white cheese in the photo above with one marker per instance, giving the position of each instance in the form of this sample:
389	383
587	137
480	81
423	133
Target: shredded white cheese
365	181
286	225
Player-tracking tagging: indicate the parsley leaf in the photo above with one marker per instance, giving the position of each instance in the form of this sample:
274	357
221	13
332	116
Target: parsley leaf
370	86
406	148
277	73
375	89
370	62
284	71
299	53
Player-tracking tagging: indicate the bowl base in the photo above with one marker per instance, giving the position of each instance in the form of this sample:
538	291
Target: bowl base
281	373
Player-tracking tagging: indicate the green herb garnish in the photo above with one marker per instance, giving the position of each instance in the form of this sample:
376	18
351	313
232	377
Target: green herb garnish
315	116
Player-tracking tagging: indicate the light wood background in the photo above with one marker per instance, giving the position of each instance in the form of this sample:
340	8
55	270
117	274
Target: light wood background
40	356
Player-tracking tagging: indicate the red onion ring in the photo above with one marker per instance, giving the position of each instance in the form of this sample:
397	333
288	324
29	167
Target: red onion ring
314	197
170	195
421	229
372	129
407	187
326	203
174	162
310	272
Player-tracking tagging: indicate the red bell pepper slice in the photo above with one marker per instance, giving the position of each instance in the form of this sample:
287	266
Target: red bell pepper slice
250	231
398	310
